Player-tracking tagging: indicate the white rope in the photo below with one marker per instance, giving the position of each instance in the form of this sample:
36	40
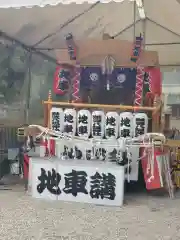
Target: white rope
47	131
146	141
141	138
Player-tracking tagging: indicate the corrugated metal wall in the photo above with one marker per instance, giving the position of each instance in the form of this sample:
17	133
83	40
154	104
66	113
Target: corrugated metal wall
14	87
8	139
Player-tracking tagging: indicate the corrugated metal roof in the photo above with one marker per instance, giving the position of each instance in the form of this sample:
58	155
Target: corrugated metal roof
31	25
43	3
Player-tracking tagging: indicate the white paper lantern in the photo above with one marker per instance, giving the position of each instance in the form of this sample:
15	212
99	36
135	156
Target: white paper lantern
69	121
140	124
56	119
84	123
111	125
98	121
126	125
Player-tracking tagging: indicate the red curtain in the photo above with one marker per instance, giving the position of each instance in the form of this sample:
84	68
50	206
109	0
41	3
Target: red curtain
156	181
62	78
155	80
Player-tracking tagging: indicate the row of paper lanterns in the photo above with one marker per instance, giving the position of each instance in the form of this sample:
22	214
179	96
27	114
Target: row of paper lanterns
75	115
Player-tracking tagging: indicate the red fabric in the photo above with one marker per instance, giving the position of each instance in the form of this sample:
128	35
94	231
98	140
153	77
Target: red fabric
26	166
139	86
149	99
52	147
44	142
49	144
155	80
76	84
57	79
156	182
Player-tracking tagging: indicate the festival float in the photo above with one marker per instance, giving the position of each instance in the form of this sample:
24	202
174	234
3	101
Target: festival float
90	145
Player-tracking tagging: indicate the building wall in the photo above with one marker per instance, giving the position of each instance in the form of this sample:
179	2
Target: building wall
171	83
171	95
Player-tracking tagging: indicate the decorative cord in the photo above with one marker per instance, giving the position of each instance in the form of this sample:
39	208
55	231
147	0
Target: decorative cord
146	141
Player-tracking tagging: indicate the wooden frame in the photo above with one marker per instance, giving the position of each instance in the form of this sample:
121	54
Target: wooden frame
49	103
92	53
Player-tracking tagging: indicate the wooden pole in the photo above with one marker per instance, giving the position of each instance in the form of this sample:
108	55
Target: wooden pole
156	114
49	106
101	106
45	115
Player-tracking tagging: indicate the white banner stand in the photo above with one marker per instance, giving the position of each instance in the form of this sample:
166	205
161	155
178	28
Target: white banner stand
83	181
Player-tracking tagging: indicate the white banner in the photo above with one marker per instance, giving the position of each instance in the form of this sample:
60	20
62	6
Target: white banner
77	181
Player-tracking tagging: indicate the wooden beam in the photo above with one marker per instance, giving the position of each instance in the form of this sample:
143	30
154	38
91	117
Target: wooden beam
172	143
100	106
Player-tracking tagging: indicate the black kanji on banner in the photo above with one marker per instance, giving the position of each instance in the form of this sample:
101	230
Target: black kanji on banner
113	155
125	132
78	153
83	119
97	118
124	160
75	182
56	121
140	126
125	122
111	121
64	77
49	180
82	129
100	152
68	128
103	186
88	154
68	118
96	129
110	132
68	152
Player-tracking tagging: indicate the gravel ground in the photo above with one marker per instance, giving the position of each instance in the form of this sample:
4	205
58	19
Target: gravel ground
141	218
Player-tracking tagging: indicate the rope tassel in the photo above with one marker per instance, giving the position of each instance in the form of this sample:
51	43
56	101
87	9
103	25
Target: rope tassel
108	66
